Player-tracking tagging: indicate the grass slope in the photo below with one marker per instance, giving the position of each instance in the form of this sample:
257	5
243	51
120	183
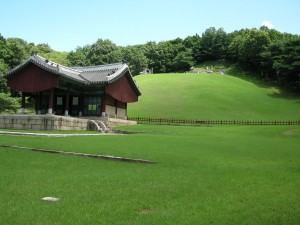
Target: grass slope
204	175
211	96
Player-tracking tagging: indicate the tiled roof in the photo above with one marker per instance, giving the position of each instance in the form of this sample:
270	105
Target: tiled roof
50	67
101	74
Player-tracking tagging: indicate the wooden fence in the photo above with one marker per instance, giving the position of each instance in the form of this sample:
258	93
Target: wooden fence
211	122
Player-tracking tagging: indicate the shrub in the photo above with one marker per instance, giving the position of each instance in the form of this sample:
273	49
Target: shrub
8	103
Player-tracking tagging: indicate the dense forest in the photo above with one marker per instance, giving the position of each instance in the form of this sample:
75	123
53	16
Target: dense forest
266	53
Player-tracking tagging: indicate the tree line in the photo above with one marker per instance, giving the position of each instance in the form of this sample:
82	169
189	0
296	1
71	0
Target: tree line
267	53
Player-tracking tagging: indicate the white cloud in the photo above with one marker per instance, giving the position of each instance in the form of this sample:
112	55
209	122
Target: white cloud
267	24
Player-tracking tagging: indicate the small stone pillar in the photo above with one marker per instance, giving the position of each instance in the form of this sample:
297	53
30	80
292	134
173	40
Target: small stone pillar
103	105
22	110
67	103
116	108
80	104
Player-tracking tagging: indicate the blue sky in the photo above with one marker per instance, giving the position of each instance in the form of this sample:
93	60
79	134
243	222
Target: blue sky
66	24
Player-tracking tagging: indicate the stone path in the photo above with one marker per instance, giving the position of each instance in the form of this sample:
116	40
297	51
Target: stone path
49	135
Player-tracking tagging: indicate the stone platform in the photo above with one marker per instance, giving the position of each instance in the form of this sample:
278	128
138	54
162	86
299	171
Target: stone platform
53	122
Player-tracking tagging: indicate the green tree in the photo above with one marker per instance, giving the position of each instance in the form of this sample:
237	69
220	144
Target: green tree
213	45
254	43
235	48
275	35
104	52
166	56
168	51
192	43
8	103
3	82
135	58
247	48
266	63
47	52
183	61
153	54
3	48
43	48
286	62
17	51
3	66
79	56
58	57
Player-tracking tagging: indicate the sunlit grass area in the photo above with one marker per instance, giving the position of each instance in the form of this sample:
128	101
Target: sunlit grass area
203	175
212	96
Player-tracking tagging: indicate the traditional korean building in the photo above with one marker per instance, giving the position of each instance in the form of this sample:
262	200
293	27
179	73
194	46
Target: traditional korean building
103	90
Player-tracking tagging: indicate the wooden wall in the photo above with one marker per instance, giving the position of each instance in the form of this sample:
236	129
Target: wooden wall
32	79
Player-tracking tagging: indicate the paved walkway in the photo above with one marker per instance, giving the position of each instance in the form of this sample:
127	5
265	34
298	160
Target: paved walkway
49	135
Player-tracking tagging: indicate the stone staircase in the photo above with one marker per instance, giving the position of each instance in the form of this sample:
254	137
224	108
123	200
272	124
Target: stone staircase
98	125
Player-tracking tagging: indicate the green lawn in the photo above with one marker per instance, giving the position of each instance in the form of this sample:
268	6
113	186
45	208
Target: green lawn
211	96
204	175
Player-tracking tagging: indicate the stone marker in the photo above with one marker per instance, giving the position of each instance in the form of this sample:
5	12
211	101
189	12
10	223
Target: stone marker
50	199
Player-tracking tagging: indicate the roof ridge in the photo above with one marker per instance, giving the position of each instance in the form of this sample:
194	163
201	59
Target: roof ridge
96	66
47	61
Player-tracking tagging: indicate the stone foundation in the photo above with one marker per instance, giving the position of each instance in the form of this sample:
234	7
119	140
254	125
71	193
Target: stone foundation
119	122
42	122
53	122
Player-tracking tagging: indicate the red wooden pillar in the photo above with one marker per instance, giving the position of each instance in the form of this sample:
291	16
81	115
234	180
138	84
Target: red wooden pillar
51	101
36	103
23	103
67	103
40	96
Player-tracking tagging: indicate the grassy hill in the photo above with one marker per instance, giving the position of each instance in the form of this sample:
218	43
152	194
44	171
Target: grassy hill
211	96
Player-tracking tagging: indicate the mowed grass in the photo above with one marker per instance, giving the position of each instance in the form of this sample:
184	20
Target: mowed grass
211	96
203	175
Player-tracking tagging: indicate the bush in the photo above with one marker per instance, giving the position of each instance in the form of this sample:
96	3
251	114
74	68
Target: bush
8	103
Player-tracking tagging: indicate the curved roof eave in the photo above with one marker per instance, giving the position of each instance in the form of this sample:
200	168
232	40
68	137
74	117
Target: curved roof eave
131	80
57	69
76	73
112	78
20	66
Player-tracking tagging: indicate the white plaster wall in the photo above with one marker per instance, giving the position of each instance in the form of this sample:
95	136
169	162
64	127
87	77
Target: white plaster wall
121	113
110	111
